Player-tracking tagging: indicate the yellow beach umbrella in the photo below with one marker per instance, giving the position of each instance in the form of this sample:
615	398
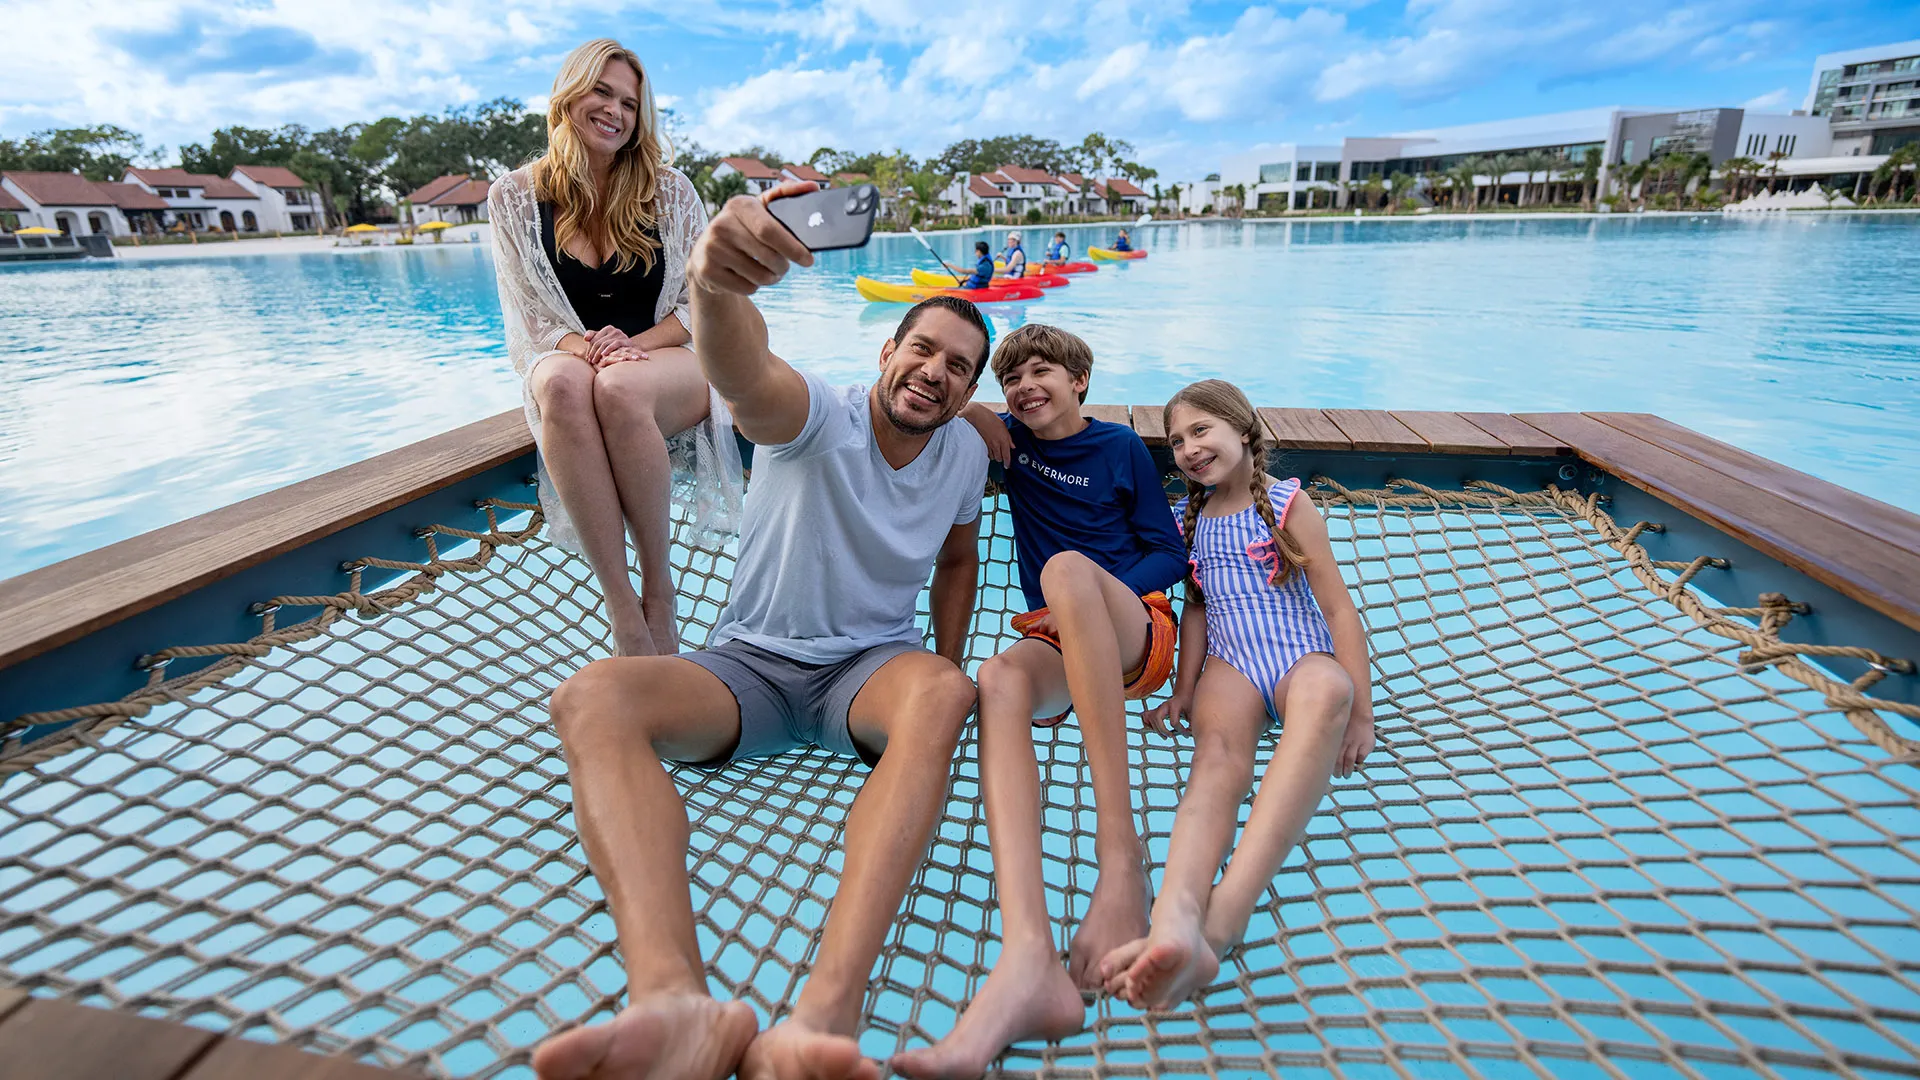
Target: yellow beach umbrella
433	226
363	228
37	230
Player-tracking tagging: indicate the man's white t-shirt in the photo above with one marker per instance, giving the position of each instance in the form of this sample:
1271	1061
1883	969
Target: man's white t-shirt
835	544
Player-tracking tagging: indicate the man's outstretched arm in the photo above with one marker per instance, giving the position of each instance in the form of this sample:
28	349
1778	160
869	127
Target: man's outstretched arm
743	249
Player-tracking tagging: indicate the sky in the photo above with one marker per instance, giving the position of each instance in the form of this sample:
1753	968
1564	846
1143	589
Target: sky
1186	83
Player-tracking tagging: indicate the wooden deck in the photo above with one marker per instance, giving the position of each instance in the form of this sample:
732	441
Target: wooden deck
41	1039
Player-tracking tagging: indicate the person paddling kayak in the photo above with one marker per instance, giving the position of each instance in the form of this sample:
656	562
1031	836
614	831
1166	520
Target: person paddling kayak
1121	243
1059	251
982	269
1014	256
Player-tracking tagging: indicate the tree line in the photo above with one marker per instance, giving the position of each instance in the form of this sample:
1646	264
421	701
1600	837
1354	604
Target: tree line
359	168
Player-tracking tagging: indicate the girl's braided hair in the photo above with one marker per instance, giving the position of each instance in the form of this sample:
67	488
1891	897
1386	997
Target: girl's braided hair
1217	397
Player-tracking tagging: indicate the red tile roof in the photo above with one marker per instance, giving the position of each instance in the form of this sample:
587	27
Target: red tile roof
273	176
213	187
752	168
1027	176
979	186
808	172
1072	181
1122	186
436	187
850	178
133	197
60	189
466	193
8	202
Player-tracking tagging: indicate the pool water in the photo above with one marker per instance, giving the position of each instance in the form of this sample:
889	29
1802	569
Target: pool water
134	394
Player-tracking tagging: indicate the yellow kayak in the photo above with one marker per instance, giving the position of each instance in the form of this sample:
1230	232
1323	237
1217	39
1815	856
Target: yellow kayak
937	278
1109	255
885	292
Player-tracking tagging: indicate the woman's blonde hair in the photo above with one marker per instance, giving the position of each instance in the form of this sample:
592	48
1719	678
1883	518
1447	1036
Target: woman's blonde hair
1217	397
563	177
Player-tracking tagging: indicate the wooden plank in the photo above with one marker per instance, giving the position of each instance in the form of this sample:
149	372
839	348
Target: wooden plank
1304	429
1451	433
1863	567
1112	414
1522	438
242	1059
1869	515
1149	424
58	1040
47	608
1378	431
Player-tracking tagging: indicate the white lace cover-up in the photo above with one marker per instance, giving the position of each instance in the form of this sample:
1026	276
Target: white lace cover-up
537	314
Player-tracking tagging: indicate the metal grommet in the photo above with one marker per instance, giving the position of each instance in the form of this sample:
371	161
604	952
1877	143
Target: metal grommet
422	532
262	608
1568	473
531	481
150	662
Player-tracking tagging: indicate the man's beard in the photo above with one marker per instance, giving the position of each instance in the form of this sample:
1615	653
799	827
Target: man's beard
904	425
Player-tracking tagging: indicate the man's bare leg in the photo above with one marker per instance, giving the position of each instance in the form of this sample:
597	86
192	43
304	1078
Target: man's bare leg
642	403
1193	924
617	719
1103	633
1028	995
912	711
575	453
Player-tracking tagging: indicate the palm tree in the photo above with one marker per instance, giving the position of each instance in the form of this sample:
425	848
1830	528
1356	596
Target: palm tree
1639	175
1734	171
1531	162
1499	167
1373	188
1466	182
1773	168
1398	185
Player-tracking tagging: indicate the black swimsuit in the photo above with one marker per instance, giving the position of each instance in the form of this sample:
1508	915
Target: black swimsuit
603	295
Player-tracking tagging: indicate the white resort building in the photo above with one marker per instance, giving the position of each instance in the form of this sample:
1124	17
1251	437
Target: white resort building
1870	96
760	176
287	203
202	202
456	198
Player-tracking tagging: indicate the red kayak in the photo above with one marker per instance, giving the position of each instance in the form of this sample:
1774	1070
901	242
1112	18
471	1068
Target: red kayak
938	280
1037	268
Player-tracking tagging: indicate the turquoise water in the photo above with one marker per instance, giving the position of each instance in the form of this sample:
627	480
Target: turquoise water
134	394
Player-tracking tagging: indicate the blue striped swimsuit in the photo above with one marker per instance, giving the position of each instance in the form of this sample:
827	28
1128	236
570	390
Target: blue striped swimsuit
1260	629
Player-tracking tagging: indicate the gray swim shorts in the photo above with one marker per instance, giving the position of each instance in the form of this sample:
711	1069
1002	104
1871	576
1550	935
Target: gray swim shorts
786	704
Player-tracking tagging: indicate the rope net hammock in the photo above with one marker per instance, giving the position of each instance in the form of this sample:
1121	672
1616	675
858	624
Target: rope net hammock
1609	831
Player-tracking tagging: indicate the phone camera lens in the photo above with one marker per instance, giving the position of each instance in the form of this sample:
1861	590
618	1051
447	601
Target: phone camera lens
854	203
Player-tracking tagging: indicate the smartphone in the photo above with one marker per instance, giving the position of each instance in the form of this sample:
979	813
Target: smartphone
831	218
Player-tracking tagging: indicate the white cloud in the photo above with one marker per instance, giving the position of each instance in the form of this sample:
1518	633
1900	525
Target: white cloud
1772	99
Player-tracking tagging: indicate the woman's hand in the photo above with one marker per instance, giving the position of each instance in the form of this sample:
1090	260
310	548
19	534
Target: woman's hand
1172	716
620	356
606	340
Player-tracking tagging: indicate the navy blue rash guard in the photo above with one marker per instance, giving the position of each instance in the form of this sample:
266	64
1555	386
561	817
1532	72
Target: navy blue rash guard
982	274
1095	492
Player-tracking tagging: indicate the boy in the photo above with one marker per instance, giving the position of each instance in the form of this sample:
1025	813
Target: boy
1059	251
982	267
1096	543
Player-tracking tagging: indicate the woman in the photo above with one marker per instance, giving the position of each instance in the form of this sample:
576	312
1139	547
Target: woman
590	246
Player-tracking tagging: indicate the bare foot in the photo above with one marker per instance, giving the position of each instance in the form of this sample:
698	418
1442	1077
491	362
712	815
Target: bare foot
792	1051
1028	996
1177	961
662	627
1114	965
631	636
1116	915
672	1036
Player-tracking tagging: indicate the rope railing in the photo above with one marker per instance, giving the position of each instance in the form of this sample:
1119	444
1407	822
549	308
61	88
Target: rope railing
1611	829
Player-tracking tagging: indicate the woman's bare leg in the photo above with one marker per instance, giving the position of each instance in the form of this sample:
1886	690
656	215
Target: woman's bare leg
576	458
641	404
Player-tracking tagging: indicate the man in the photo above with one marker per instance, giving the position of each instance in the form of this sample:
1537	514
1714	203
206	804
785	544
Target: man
1014	257
857	494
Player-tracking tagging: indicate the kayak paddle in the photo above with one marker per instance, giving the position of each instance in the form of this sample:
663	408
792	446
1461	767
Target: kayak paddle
957	279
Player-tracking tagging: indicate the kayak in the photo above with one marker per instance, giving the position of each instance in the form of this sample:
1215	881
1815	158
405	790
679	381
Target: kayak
1038	281
1110	255
1052	267
884	292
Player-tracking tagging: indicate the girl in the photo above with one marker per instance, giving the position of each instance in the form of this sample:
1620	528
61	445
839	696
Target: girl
590	248
1270	636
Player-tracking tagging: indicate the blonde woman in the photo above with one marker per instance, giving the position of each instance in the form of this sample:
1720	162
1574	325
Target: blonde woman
590	247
